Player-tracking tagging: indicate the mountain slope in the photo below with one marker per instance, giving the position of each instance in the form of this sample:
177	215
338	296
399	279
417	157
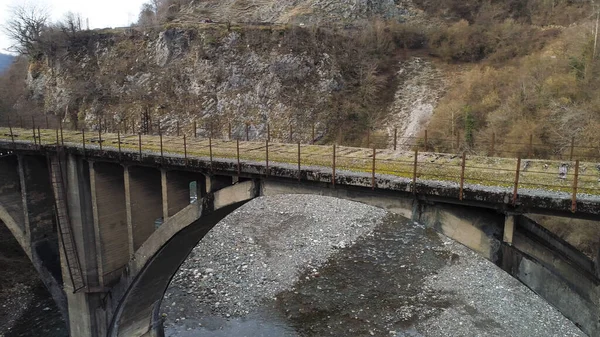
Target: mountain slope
5	61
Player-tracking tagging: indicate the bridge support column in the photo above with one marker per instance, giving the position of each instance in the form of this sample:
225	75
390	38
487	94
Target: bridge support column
87	316
509	229
143	196
215	183
110	220
177	190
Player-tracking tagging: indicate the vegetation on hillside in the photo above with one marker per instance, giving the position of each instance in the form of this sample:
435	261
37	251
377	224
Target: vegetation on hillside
521	79
519	68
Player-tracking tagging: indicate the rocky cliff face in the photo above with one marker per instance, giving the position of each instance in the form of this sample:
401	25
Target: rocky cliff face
340	79
212	76
304	11
336	79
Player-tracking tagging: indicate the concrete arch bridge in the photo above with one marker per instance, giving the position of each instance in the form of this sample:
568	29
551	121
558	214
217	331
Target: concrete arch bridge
87	218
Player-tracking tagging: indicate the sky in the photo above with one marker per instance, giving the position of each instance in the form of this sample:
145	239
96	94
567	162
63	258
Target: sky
101	13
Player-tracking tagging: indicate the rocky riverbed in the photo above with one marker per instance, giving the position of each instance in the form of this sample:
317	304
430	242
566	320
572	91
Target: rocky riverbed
317	266
314	266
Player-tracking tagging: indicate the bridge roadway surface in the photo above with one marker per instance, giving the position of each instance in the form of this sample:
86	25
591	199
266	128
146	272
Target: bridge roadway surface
490	174
111	187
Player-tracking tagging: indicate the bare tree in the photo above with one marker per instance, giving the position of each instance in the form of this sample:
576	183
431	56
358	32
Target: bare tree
25	27
72	23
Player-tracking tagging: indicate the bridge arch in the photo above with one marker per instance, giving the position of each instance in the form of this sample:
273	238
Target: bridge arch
154	264
157	261
26	210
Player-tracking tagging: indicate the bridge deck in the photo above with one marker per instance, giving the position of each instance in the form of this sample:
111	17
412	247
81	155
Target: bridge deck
541	176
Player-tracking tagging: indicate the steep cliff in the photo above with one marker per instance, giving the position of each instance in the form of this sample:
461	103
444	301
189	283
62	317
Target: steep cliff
218	75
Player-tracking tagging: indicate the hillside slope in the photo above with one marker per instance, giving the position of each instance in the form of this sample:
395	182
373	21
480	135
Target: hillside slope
481	67
5	61
299	11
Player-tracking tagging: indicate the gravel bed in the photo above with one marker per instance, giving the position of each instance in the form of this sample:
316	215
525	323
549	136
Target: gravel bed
315	266
489	302
261	249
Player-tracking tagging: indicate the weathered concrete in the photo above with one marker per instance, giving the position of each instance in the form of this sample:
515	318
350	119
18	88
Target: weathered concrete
162	254
143	194
509	229
86	317
110	220
176	190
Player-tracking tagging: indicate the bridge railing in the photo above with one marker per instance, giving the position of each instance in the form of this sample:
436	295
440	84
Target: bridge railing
417	164
318	133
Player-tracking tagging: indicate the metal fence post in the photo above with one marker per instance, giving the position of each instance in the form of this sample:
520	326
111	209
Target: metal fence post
267	157
457	141
291	133
195	129
210	152
395	139
140	144
333	167
177	128
530	154
33	127
373	169
237	142
572	148
516	190
162	159
119	142
414	184
462	175
185	150
299	171
62	138
12	135
312	141
99	137
247	132
575	181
